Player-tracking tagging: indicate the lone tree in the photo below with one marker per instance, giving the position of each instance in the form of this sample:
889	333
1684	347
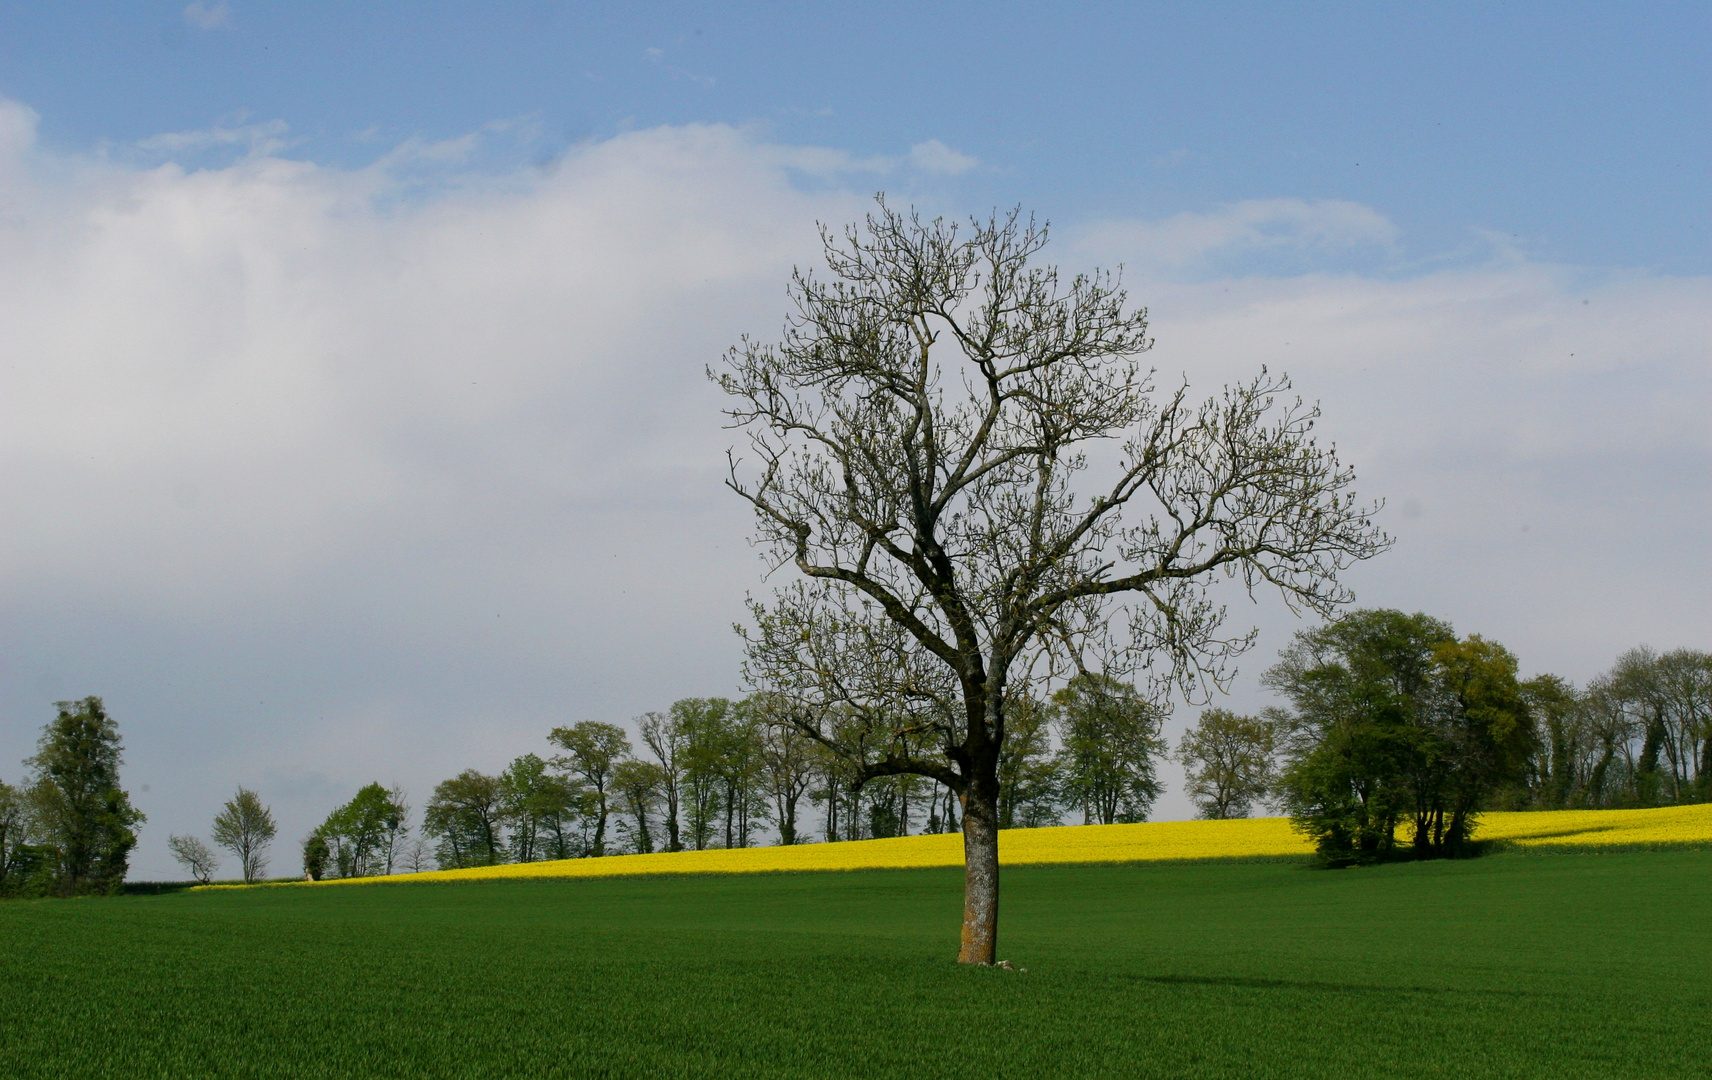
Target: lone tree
246	828
915	436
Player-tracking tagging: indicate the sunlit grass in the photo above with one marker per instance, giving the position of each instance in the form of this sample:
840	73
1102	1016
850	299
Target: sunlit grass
1573	968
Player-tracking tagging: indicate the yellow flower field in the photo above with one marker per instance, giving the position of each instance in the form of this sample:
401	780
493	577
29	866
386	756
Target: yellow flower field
1146	842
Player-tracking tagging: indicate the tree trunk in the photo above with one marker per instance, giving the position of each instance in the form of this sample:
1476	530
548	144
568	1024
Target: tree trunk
980	876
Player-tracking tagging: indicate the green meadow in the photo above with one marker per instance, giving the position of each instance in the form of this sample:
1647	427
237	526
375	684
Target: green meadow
1506	966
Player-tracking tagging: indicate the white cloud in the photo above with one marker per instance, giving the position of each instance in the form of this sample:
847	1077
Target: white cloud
325	485
208	16
257	140
1193	242
935	157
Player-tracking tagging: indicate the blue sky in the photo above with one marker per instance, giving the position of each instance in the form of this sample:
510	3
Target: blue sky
352	416
1583	131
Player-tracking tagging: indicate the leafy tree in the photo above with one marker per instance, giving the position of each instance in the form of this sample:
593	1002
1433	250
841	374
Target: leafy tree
1477	738
1393	719
637	786
246	828
593	750
1357	687
739	761
82	813
540	810
194	856
466	815
915	436
1110	736
701	724
1562	764
1227	761
362	836
12	823
1668	699
1028	772
315	856
27	866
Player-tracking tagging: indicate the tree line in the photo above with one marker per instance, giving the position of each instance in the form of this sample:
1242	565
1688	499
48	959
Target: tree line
723	773
1392	736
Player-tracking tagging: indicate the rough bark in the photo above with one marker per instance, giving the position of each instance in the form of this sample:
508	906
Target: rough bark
980	876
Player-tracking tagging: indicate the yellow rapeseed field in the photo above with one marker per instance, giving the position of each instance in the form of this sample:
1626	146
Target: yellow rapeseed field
1146	842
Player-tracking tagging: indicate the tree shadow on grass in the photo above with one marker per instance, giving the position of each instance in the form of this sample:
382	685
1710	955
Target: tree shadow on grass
1249	983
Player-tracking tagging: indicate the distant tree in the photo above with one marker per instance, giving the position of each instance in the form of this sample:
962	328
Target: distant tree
701	724
194	856
637	787
539	809
1685	681
739	760
1476	740
1227	761
27	867
246	828
363	834
593	750
1668	699
664	736
1029	775
790	761
1561	766
81	811
1109	738
466	815
942	810
1357	687
417	857
1394	719
11	829
838	793
315	856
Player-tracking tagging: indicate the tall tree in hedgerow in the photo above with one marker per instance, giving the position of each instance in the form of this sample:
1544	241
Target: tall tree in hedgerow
915	442
592	751
81	810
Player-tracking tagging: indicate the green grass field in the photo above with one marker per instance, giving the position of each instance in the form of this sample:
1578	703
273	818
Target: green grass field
1527	966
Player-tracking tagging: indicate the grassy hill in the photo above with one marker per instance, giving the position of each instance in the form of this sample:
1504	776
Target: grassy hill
1563	966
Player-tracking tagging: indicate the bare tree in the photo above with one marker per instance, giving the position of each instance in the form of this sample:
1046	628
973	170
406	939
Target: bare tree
416	857
246	828
915	435
194	856
1227	760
